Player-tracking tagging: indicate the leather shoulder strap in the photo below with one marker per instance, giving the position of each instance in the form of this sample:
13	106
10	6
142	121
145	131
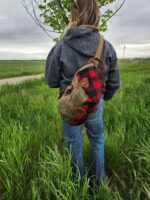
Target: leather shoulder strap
99	51
96	58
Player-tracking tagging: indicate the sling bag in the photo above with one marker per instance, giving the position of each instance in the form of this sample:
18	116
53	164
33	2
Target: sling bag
82	96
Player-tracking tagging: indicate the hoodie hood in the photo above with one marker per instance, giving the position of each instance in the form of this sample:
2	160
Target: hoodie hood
82	39
72	52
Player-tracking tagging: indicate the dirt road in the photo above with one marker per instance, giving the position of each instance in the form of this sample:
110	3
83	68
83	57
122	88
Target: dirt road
15	80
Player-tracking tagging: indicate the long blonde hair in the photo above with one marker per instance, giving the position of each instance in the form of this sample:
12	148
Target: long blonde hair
85	12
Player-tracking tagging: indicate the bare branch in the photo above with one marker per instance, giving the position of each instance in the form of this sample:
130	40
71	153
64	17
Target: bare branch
32	6
35	18
42	23
117	9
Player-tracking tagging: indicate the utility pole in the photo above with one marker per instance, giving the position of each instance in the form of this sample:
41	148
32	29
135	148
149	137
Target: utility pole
124	49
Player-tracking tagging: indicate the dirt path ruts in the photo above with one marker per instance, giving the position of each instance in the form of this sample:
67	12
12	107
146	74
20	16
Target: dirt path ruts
16	80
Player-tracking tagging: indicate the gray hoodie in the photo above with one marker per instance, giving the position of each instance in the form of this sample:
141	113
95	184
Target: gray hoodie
72	52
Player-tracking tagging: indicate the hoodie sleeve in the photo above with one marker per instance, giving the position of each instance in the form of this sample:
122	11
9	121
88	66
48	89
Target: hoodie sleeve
53	69
113	81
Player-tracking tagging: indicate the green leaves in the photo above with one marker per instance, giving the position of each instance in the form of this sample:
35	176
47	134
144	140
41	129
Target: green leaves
41	7
52	15
55	13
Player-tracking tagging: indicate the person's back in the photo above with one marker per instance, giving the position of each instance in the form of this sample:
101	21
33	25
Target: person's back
72	52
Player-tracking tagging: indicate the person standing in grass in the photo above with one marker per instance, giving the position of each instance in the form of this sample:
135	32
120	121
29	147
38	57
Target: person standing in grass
73	51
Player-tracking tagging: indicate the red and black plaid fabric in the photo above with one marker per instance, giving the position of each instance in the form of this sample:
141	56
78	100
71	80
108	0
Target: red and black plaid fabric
94	92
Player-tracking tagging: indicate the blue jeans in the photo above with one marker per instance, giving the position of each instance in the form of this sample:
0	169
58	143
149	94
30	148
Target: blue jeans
95	132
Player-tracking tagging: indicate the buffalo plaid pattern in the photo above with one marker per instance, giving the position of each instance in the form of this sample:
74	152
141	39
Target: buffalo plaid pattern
94	92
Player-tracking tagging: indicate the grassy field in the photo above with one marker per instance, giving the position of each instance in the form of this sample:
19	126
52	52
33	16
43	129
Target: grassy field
20	68
33	165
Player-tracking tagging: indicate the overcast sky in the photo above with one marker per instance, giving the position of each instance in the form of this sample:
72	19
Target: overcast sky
20	38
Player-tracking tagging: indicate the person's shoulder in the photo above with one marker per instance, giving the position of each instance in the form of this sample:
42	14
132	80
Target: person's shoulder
109	48
108	45
58	47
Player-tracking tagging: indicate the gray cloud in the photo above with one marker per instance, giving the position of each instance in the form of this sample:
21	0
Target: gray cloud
133	24
21	38
17	26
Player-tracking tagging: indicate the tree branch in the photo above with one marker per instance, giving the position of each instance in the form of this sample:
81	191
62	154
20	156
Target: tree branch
35	18
59	5
121	5
32	6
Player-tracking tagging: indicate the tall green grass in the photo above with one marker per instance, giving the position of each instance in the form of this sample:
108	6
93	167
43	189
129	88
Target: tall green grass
33	163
